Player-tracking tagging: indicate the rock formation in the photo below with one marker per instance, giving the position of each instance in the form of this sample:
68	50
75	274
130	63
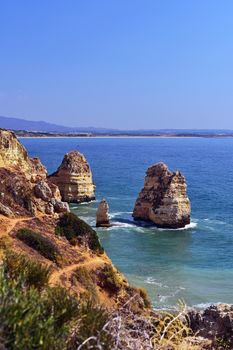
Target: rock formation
214	323
31	203
24	189
74	179
102	216
13	155
163	199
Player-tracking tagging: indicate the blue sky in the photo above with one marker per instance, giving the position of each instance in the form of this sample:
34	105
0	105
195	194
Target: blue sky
125	64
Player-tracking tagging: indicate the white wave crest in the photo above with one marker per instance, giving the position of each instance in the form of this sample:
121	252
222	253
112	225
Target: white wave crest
151	280
187	227
205	305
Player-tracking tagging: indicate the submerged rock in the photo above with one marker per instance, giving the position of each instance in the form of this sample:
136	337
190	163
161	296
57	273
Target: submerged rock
163	199
102	215
74	179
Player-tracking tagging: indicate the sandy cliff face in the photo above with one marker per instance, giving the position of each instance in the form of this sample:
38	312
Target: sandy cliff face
163	199
24	189
74	179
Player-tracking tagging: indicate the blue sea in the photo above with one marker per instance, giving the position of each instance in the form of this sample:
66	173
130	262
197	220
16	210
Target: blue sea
194	264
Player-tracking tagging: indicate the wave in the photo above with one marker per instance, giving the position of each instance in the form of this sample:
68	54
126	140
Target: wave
117	224
187	227
119	213
86	203
151	280
205	305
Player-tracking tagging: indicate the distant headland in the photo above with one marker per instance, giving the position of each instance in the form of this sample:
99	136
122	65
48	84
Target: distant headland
28	128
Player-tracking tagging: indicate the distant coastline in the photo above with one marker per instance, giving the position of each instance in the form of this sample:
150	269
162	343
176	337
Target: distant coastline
31	134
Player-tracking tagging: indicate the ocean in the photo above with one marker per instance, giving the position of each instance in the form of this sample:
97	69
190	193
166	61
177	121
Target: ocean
194	264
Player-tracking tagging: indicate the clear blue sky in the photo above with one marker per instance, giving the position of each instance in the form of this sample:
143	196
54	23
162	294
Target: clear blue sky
125	64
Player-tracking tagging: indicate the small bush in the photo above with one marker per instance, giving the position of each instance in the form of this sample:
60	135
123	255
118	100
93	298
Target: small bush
109	279
73	229
169	328
143	294
61	305
41	244
18	266
84	278
24	320
94	320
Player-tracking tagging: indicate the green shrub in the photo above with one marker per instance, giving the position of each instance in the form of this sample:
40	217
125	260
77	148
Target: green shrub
93	320
61	305
143	294
84	277
24	320
73	228
41	244
109	279
32	273
33	318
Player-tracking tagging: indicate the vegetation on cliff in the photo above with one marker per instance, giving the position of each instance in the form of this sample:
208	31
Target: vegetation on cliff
34	315
77	230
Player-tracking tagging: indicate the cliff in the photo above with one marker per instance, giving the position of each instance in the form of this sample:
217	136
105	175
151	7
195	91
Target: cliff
24	189
74	179
30	224
163	199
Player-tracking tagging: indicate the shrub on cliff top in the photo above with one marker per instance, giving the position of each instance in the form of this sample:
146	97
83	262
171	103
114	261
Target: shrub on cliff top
42	245
32	273
73	228
30	319
109	279
45	319
84	277
91	333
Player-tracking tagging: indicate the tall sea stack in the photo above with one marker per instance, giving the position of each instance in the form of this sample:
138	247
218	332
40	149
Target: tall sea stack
102	214
74	179
163	199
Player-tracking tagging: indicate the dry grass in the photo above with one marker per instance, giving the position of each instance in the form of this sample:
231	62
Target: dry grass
132	331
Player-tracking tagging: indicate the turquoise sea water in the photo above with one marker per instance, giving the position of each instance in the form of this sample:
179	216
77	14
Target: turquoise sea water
195	264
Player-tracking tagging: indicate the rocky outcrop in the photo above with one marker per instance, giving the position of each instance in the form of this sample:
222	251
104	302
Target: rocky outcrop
74	179
14	156
214	323
6	211
102	215
163	199
24	189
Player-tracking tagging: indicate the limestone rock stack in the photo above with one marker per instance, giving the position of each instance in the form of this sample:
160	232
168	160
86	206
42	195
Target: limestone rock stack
102	215
24	189
163	199
74	179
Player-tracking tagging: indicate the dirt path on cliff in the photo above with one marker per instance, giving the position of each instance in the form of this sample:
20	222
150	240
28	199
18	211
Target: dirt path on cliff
10	224
90	264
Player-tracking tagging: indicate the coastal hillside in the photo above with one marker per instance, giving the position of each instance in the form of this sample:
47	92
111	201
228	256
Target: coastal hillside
33	218
60	290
